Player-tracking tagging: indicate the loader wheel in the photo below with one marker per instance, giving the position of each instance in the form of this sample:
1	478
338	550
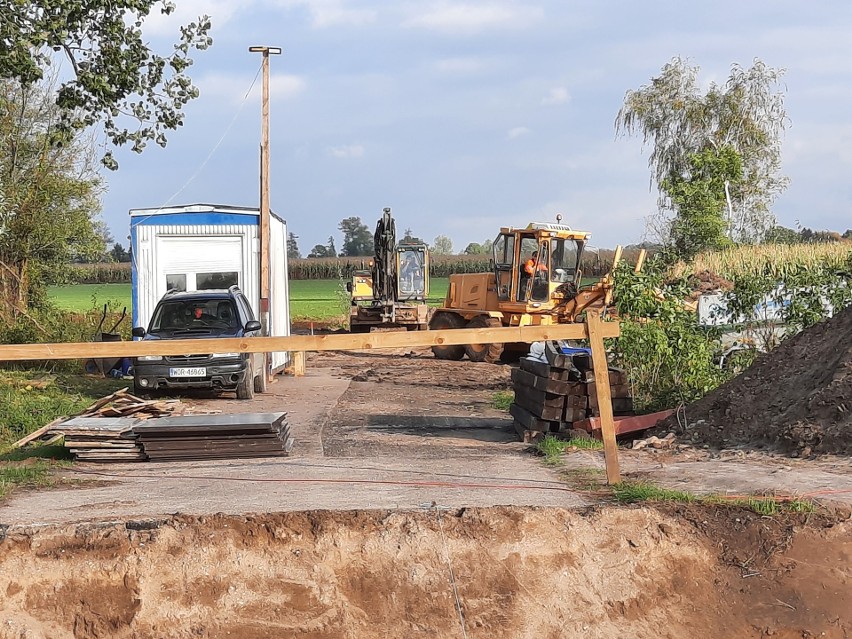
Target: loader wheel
490	353
442	321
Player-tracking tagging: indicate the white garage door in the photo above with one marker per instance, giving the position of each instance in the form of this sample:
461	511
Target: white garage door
196	263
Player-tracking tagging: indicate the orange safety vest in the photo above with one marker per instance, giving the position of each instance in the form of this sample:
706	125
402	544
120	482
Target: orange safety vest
529	267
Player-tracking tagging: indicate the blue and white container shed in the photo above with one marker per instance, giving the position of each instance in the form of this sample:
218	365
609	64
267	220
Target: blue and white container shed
208	246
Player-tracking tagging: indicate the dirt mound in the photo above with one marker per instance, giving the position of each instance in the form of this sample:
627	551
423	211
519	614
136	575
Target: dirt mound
496	572
708	282
797	398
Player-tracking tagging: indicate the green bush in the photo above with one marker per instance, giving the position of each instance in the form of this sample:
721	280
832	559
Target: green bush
669	358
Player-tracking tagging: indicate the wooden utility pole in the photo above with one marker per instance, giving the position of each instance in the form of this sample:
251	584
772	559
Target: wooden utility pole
264	190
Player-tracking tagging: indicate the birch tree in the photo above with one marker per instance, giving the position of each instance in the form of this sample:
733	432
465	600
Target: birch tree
680	123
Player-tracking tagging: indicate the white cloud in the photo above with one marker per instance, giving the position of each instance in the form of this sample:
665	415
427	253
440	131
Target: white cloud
458	66
329	13
186	11
448	17
347	151
557	95
232	87
517	132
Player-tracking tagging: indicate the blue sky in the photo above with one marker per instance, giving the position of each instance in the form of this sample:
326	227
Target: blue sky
467	116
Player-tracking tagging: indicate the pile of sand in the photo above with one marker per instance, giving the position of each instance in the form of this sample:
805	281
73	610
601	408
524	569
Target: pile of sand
797	398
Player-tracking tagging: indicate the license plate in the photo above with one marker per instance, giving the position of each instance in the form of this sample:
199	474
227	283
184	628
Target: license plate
187	372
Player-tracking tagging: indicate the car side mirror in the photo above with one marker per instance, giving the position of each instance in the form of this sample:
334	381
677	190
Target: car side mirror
138	331
348	287
252	326
491	263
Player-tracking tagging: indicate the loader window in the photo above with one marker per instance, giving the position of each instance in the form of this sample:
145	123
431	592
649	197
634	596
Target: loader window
503	256
563	264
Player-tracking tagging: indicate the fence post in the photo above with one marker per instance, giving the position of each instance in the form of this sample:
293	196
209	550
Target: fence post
601	371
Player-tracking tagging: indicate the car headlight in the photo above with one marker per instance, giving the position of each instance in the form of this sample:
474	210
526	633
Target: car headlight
150	358
225	355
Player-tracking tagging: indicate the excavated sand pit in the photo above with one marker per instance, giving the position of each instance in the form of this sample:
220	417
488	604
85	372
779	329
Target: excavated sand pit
671	571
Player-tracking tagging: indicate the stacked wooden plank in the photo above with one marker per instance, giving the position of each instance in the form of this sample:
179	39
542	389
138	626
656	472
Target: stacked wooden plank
552	395
123	404
101	439
201	437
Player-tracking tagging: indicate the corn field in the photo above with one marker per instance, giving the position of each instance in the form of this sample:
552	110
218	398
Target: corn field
772	260
333	268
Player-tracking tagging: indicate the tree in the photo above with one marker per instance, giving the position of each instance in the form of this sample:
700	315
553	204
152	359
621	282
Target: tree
116	81
293	246
782	235
745	116
442	245
699	196
411	238
847	235
474	248
330	249
119	254
319	251
357	239
487	245
48	197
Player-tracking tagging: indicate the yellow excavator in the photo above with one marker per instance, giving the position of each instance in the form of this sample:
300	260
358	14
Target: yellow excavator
536	280
393	293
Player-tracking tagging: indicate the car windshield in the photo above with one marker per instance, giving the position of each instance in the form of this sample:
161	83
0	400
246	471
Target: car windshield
194	316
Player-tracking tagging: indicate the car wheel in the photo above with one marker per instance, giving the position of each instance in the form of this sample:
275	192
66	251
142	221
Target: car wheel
245	389
141	393
260	379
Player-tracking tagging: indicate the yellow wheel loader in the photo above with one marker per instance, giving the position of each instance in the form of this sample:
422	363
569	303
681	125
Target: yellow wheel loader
536	280
393	293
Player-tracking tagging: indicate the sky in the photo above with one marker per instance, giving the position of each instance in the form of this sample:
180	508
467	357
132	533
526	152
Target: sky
467	116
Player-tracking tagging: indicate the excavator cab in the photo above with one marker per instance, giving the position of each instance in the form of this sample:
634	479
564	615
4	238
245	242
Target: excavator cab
412	264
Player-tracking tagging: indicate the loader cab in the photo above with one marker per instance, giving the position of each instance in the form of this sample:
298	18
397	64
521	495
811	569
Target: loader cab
531	264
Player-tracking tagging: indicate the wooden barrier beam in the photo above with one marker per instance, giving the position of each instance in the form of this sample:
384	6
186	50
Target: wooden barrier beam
601	370
347	342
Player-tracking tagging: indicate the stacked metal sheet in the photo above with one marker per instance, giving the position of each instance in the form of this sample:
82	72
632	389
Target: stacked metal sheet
101	439
200	437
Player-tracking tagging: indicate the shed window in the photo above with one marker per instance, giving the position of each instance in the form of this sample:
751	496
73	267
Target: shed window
207	281
176	282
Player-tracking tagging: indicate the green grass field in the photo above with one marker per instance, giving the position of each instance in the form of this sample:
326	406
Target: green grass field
309	299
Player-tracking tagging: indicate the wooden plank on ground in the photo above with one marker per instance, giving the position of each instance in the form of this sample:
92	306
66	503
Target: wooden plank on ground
39	433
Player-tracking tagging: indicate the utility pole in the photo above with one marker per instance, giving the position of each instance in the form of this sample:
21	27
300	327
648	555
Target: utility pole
264	191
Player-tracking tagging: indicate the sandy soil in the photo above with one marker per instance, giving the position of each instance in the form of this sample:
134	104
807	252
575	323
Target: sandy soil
408	509
497	572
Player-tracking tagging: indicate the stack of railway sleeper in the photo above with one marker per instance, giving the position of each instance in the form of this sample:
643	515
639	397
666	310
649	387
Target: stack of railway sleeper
199	437
550	396
101	439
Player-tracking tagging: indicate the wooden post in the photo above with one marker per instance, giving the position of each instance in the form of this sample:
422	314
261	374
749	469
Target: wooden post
263	227
601	371
298	363
640	261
